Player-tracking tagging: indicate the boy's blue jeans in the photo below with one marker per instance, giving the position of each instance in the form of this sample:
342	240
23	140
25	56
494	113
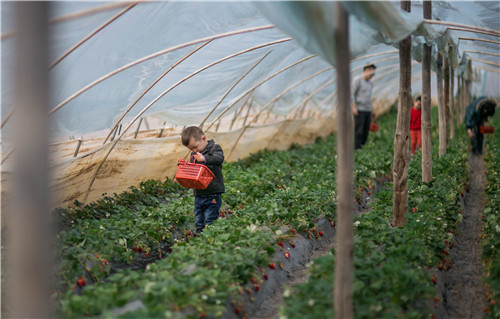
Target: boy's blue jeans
206	210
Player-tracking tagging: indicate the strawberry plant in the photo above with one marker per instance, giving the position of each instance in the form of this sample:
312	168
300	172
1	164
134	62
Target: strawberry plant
491	227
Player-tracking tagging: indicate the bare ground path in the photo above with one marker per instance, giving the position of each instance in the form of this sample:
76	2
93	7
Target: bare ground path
462	288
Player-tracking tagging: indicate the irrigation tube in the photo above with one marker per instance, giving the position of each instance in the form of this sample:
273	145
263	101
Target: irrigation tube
163	94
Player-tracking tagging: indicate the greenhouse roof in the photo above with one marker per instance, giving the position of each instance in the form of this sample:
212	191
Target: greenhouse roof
191	62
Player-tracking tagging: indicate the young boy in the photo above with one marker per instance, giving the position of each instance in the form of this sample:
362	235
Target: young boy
416	125
207	201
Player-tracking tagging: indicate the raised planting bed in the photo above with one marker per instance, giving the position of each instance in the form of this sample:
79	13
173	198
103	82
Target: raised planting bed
395	268
491	228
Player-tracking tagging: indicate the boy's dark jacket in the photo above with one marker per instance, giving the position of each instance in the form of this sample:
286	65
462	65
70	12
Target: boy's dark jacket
214	157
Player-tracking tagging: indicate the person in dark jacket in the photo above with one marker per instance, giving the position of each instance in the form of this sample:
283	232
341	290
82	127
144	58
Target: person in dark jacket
476	114
207	202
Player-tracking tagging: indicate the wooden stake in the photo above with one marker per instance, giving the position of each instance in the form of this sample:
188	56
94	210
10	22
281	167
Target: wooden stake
246	115
78	144
138	127
446	96
115	130
441	107
401	139
426	104
452	103
468	80
344	265
162	128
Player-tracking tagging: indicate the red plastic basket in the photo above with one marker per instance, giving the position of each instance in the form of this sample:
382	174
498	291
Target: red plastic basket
373	127
193	175
486	129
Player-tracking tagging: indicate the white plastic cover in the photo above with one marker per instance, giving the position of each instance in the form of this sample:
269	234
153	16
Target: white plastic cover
150	29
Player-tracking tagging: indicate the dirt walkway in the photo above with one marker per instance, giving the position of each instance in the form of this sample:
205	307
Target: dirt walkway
461	288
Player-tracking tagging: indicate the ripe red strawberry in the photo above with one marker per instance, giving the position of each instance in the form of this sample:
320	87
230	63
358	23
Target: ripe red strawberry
320	233
203	315
293	231
135	248
237	310
252	280
139	249
81	282
436	299
287	254
266	277
256	287
434	279
413	209
272	265
249	291
281	244
292	243
146	254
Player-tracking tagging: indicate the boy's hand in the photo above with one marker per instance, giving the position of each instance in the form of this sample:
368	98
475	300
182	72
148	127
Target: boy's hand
469	131
199	157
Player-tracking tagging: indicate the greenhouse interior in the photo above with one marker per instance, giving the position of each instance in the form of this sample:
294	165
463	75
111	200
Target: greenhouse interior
237	159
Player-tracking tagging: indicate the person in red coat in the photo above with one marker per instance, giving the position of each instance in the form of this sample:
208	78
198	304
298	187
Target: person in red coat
416	125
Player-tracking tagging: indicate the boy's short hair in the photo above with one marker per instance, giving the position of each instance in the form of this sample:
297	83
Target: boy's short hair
369	66
418	98
191	131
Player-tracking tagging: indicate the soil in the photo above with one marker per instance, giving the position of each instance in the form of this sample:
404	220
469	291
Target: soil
461	288
270	297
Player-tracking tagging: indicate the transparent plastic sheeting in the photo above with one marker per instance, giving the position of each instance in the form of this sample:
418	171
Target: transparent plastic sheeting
153	27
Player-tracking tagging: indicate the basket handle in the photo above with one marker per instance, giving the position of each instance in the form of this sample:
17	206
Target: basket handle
194	162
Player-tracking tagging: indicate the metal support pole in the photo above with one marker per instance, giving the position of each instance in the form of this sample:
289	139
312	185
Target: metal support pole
80	141
138	127
162	128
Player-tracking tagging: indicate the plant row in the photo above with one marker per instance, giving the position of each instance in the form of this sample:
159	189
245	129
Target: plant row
395	268
491	218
